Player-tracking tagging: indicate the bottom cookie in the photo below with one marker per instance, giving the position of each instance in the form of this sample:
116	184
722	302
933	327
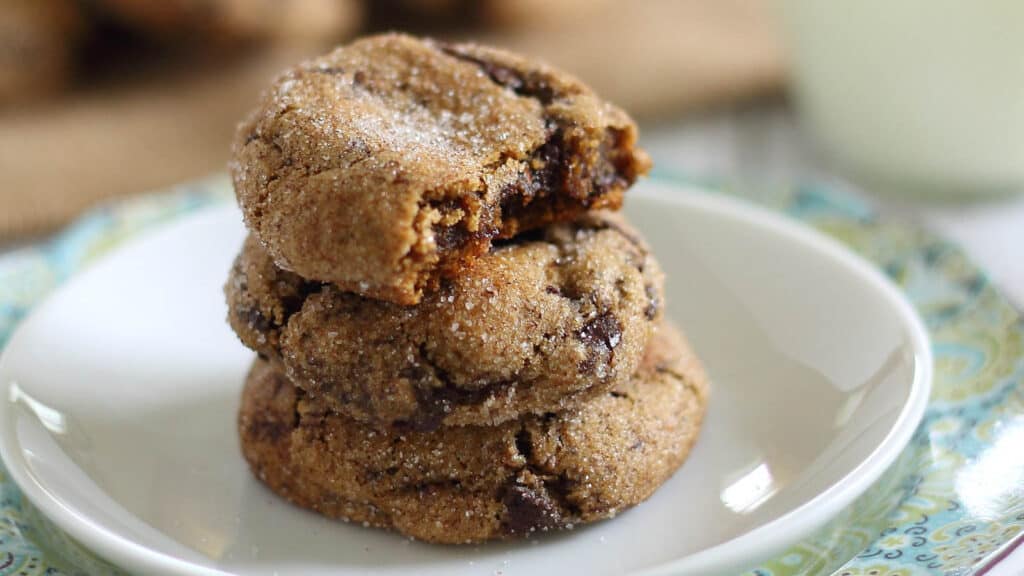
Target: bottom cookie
475	483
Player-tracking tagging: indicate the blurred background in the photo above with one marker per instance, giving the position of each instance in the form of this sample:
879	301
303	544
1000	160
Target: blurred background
917	105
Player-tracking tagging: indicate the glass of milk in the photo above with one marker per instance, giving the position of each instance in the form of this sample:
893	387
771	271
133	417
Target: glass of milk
922	97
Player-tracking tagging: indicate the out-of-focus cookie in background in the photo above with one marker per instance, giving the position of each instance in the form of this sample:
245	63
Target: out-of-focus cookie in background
102	98
229	21
448	15
38	39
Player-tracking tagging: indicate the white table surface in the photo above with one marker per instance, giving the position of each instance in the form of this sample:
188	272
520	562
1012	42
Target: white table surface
761	147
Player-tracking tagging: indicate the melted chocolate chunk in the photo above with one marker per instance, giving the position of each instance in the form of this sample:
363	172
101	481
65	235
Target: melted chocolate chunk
552	170
552	154
601	334
517	198
436	402
604	331
529	85
527	509
457	237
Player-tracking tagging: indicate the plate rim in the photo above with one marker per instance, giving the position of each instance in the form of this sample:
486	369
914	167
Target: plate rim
760	543
744	550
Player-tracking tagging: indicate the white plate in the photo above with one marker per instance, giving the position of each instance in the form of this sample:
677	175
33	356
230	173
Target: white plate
121	391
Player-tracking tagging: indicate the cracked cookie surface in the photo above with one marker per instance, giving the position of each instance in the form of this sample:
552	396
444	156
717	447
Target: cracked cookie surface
393	162
474	483
539	324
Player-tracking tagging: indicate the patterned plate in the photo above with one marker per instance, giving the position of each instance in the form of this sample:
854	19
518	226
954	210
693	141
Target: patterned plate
951	503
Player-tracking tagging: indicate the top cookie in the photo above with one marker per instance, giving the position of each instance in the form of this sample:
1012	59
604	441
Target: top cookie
393	161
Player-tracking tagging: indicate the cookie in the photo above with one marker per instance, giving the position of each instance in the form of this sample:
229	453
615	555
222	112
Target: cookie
533	14
393	162
489	15
536	325
425	15
233	20
469	484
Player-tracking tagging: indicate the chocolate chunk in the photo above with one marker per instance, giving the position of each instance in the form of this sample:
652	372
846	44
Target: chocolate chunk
527	509
529	85
437	402
601	334
518	198
604	331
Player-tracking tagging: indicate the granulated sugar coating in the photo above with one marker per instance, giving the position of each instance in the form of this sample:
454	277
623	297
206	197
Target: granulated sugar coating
540	323
473	483
393	162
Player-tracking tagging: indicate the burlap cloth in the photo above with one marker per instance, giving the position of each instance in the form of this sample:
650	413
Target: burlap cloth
656	58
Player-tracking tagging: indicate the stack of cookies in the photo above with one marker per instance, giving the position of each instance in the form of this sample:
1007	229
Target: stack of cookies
457	337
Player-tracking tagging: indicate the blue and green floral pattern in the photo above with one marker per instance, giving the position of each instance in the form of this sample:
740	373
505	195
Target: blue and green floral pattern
951	502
